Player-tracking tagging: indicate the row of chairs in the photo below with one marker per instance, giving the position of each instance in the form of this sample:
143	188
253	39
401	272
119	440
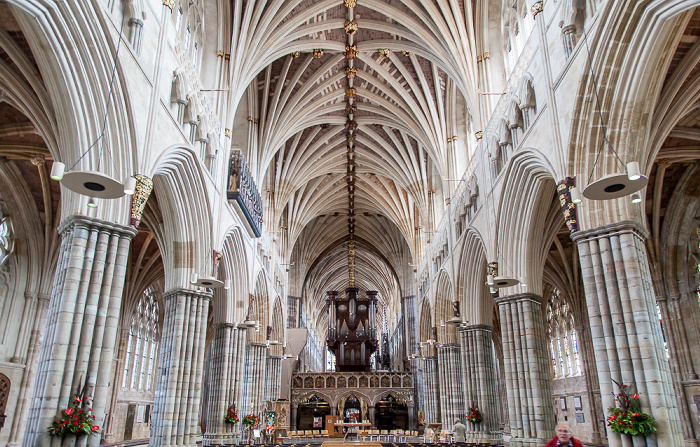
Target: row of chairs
398	435
430	436
305	435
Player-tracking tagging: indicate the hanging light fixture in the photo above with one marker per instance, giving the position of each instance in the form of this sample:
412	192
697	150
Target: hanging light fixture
636	198
92	203
130	186
611	186
504	281
207	281
93	183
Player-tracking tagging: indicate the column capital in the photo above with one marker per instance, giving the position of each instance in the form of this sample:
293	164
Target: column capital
519	297
218	326
182	291
624	226
76	220
407	297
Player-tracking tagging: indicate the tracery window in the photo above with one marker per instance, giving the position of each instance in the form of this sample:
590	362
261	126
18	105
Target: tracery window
517	26
7	244
142	345
563	339
187	38
178	19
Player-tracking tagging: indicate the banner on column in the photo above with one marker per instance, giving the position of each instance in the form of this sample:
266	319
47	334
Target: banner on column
269	422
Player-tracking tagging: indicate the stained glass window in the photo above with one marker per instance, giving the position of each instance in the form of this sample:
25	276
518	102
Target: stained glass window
6	239
142	345
563	340
178	18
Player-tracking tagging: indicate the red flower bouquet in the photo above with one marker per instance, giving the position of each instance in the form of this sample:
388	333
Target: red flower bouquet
629	419
231	415
76	419
251	420
474	415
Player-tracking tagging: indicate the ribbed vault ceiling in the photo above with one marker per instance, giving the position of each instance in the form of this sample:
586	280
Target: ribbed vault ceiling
403	110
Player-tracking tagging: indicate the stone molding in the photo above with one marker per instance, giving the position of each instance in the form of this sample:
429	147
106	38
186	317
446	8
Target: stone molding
182	291
624	226
519	297
77	220
477	327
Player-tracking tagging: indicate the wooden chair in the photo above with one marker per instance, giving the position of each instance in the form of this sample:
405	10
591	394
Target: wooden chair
309	435
427	435
384	433
374	433
400	435
324	434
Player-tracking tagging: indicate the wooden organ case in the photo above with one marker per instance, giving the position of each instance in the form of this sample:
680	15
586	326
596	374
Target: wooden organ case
352	328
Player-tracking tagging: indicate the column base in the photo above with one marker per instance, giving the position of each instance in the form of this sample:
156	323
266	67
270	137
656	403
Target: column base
477	436
220	438
518	442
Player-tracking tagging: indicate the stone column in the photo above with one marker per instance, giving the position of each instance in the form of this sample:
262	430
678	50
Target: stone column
223	360
431	390
180	369
372	413
480	382
24	398
273	371
82	322
625	327
293	422
254	382
450	385
526	367
410	317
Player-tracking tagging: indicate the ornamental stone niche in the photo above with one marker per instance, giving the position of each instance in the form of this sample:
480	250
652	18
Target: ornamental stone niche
178	93
526	95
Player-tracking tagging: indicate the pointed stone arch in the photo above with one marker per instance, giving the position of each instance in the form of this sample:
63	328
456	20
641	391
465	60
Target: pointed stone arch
185	208
258	310
476	301
425	328
444	297
523	210
230	305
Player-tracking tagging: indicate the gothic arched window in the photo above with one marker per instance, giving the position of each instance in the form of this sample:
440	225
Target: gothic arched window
142	345
563	339
517	25
7	244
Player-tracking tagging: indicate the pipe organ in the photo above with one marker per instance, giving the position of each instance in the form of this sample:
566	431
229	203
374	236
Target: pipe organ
352	328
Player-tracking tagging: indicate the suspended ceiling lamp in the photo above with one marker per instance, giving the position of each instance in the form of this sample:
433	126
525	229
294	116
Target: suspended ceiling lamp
206	281
95	184
611	186
497	282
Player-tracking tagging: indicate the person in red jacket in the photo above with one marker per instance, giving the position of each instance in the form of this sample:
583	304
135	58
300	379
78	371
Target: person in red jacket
564	438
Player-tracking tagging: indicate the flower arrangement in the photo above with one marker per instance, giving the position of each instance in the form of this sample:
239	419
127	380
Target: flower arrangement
251	420
76	419
231	415
629	419
474	415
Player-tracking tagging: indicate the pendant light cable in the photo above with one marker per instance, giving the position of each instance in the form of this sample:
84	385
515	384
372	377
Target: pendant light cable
109	97
600	112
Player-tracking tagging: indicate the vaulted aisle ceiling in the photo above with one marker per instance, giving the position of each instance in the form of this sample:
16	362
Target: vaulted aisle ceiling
406	106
